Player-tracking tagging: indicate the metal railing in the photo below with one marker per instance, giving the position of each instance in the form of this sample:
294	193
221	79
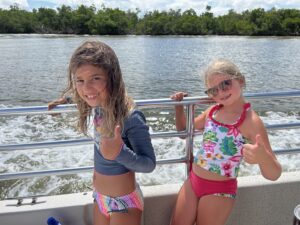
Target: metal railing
189	133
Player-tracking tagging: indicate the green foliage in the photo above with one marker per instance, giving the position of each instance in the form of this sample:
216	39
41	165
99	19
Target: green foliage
159	23
89	20
47	21
189	23
65	19
16	20
291	26
109	21
81	19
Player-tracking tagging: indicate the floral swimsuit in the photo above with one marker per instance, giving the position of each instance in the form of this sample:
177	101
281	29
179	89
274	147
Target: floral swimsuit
222	146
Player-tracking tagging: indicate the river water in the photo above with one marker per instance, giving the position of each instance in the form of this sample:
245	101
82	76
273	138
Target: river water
33	72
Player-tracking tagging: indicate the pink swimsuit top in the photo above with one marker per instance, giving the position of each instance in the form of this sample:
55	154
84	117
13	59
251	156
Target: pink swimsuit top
222	145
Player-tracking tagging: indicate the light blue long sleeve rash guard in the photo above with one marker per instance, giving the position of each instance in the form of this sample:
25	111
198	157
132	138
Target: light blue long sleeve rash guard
137	153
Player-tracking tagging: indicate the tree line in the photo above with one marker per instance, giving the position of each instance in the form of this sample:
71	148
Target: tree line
113	21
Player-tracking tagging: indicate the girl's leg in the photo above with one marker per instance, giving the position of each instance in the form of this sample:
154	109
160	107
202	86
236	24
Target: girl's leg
132	217
185	210
99	218
214	210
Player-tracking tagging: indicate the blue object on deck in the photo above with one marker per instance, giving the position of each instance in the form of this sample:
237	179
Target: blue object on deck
52	221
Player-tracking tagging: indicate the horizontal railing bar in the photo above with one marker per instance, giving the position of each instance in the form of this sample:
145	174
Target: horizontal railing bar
84	141
268	95
286	151
37	110
75	142
143	103
46	144
206	100
10	176
67	171
283	126
171	161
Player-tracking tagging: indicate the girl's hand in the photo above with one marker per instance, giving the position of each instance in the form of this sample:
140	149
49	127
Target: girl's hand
110	147
178	96
255	153
56	102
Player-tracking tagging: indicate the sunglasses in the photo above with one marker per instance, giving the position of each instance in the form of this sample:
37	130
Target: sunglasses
225	85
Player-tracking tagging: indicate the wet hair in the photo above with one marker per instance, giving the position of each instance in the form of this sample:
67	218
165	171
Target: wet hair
223	67
118	104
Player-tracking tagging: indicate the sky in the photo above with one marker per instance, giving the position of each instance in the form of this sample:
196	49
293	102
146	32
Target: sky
218	7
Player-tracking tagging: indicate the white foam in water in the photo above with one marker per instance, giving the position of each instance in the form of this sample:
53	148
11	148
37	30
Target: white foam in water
47	127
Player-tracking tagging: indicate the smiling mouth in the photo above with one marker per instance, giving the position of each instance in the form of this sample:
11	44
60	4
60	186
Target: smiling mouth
226	97
91	97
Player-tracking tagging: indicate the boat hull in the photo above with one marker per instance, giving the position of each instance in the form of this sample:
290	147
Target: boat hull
259	202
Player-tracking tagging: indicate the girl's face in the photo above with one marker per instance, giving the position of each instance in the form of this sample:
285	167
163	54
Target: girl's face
90	82
224	89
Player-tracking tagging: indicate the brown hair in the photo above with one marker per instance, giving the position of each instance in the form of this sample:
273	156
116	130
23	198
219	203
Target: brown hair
118	104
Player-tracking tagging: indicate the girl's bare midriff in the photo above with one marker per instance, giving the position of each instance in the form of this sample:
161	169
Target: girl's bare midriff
205	174
116	185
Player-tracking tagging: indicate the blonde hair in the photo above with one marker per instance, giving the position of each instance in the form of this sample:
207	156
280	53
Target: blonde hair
223	67
118	104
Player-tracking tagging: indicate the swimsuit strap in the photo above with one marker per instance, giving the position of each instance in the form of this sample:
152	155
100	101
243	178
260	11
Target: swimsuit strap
246	107
215	108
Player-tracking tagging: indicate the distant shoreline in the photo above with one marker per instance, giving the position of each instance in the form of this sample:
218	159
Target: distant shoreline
113	21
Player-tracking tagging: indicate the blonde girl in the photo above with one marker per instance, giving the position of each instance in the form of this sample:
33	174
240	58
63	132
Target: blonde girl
232	131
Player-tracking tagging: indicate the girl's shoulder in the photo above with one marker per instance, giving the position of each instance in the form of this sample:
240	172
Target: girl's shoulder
135	124
201	118
252	118
136	113
210	110
208	113
135	117
252	124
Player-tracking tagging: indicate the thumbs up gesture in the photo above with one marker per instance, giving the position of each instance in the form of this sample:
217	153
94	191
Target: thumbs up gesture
255	153
110	147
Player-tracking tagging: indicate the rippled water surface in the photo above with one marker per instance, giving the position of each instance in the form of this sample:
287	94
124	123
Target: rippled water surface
33	72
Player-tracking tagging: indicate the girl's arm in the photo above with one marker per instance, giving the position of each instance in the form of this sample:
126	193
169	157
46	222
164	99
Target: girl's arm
260	151
59	101
137	153
199	121
180	117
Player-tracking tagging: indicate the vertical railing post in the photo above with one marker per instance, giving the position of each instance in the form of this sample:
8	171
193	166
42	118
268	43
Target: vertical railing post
189	141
